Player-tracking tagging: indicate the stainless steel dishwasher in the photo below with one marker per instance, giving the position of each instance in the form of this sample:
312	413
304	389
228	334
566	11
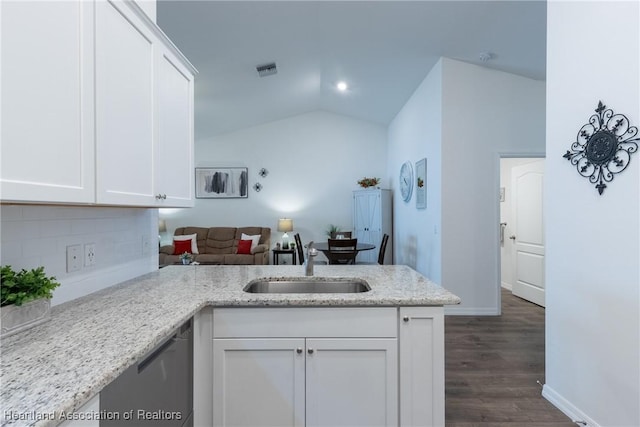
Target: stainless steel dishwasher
157	391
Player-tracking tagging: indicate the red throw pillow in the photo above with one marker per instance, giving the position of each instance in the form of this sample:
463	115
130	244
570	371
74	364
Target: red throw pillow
181	246
244	247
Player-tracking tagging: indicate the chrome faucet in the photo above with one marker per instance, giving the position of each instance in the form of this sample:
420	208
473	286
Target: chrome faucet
311	253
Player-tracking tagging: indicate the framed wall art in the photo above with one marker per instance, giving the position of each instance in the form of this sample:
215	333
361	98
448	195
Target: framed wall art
222	183
421	184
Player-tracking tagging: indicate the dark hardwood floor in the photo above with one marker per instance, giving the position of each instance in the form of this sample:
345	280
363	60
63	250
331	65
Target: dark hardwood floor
492	364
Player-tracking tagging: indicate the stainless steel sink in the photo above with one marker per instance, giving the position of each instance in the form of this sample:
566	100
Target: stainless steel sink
296	285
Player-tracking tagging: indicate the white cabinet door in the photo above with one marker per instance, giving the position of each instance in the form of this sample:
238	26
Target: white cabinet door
47	138
371	220
125	107
352	382
258	382
421	366
174	170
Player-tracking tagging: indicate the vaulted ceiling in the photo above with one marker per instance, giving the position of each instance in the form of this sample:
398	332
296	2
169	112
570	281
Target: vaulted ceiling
382	49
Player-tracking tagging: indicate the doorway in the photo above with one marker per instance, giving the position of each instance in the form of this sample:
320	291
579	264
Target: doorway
522	227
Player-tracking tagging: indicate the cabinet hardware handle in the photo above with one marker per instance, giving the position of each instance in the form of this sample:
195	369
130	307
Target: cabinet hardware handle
405	318
298	350
164	197
310	351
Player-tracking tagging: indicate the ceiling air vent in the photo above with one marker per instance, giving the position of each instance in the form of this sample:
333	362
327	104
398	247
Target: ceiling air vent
267	69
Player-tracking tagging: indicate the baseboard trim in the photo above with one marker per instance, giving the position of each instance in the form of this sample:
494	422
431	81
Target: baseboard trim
567	407
507	286
470	311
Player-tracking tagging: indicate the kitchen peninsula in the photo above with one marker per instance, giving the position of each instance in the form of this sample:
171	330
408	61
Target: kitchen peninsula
59	366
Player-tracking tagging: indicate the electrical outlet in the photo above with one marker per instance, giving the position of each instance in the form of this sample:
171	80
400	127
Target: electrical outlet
74	258
89	254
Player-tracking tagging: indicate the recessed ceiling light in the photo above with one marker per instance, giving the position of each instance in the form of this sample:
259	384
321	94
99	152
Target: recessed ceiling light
342	86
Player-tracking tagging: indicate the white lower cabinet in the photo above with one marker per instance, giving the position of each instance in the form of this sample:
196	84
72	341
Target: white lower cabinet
317	367
258	382
351	382
421	366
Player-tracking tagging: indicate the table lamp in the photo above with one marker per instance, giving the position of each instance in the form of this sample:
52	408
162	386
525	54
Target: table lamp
285	225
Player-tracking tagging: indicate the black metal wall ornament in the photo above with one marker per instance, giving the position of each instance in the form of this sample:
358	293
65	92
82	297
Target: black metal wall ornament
603	146
263	172
257	187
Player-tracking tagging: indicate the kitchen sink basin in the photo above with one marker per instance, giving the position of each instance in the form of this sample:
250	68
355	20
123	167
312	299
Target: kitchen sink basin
307	286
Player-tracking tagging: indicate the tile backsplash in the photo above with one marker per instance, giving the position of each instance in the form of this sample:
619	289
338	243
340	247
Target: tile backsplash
125	242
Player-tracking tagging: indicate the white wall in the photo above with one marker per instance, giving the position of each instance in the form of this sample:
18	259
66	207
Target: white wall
593	241
415	133
474	114
34	236
314	162
485	113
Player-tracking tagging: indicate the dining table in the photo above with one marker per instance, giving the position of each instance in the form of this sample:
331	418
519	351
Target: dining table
324	247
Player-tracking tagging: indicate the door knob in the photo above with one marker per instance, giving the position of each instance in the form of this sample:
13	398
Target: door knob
512	237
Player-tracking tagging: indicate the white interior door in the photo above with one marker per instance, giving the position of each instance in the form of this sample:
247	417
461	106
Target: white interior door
528	231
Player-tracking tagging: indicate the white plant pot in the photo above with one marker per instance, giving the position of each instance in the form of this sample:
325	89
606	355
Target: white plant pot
14	319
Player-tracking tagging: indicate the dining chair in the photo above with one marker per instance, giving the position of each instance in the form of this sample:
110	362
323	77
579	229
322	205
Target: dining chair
342	251
381	251
340	235
300	250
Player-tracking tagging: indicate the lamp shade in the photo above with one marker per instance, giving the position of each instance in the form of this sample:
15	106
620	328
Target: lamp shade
285	225
162	225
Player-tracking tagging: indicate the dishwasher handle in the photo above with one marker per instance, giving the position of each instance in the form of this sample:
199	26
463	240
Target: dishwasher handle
156	353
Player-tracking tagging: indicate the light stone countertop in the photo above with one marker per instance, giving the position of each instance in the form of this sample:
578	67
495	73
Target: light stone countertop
60	365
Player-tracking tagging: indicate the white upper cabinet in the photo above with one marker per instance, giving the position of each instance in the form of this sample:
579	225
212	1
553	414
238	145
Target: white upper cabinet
144	114
47	141
174	171
124	106
130	144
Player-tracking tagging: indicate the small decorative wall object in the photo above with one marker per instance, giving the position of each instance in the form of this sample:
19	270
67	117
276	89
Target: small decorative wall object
257	187
502	194
603	146
222	183
421	184
263	173
368	182
406	181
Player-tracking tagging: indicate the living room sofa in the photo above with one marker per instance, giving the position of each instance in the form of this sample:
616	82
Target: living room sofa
219	245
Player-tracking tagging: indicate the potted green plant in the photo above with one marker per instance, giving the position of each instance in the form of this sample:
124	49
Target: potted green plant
331	231
368	182
25	298
186	258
